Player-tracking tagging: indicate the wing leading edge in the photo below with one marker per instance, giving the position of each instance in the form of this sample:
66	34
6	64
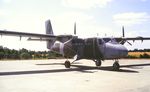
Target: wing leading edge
24	34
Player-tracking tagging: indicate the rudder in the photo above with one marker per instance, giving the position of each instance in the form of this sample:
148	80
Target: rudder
49	30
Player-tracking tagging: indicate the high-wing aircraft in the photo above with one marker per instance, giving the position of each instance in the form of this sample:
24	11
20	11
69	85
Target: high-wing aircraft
94	48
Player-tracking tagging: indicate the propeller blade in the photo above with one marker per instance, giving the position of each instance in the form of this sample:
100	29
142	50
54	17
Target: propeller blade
123	35
129	43
75	28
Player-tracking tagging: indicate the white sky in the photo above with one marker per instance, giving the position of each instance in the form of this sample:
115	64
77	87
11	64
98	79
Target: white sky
92	17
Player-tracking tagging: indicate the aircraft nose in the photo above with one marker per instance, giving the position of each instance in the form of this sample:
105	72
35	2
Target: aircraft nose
123	52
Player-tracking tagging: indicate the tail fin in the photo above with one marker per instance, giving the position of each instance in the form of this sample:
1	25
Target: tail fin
49	30
48	27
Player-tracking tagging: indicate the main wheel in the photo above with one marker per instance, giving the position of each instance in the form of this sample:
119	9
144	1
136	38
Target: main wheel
116	66
67	64
98	62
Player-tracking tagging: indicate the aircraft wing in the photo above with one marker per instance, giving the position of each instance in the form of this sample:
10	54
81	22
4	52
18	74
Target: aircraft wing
137	38
23	34
132	38
35	36
126	39
122	40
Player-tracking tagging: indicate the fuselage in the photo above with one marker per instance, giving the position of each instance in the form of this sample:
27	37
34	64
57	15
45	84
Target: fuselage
91	48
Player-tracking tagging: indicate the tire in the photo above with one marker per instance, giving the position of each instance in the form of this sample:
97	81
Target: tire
98	63
67	64
116	66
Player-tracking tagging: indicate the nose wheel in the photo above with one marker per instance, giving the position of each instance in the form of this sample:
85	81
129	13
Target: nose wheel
67	64
116	66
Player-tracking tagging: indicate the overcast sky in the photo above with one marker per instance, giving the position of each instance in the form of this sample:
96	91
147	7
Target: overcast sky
102	17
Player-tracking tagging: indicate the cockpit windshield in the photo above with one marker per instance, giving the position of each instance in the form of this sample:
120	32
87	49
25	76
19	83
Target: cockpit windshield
107	39
111	40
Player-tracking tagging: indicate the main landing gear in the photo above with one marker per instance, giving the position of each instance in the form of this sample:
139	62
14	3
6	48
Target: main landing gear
97	62
67	64
116	65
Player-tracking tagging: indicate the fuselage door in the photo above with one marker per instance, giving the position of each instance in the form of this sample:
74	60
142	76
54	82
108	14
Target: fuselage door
101	45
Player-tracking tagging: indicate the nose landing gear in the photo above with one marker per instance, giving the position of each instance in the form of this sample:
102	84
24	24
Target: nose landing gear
116	65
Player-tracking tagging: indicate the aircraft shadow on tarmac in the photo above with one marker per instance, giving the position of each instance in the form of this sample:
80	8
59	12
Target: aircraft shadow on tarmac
79	68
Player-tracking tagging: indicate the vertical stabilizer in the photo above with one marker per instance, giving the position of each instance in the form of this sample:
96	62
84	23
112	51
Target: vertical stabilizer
49	30
48	27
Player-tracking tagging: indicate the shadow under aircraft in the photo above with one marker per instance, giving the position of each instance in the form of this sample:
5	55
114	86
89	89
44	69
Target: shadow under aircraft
78	68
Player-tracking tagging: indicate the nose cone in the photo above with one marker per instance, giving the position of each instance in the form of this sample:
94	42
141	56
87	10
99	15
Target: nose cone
123	52
115	51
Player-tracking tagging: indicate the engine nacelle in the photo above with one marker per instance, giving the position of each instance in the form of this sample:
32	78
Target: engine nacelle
58	47
69	50
66	49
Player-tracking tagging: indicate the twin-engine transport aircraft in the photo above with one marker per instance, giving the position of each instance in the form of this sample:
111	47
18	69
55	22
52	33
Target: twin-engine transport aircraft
96	49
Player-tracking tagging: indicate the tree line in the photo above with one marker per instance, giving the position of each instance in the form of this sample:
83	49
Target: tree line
140	50
6	53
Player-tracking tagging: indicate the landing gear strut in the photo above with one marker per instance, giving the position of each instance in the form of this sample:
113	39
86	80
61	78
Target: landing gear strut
116	66
98	62
67	64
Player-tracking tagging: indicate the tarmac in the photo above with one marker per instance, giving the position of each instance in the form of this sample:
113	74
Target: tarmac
51	76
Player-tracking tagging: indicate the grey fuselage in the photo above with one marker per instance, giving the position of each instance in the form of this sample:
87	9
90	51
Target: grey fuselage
91	48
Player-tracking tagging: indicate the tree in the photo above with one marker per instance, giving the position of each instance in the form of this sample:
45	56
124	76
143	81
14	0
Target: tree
6	53
1	55
25	55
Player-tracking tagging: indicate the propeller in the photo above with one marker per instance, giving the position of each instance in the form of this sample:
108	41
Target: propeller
128	42
123	37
